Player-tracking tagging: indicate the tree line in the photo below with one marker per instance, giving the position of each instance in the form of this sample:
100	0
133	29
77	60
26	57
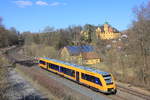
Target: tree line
8	37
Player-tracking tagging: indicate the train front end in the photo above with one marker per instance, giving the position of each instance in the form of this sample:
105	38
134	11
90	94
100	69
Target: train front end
109	84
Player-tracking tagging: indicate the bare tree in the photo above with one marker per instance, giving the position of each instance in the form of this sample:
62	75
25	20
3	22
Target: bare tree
140	40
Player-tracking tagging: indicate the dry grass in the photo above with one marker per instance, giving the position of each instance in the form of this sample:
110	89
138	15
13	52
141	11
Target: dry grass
40	50
3	77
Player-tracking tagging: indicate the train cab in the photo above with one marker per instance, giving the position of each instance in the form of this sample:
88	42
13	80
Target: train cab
110	86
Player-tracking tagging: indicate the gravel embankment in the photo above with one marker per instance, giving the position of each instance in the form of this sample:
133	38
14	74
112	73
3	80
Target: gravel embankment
20	89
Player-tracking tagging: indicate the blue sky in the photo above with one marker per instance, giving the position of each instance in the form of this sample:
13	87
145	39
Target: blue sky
34	15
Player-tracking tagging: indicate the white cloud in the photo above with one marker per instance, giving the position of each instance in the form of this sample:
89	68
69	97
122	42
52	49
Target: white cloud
41	3
23	3
57	4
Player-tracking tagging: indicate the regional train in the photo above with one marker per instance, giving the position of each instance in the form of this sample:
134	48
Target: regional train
95	79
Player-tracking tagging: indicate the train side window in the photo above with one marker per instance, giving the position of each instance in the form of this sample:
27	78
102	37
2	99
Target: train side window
61	69
86	77
97	81
91	78
68	71
55	67
42	62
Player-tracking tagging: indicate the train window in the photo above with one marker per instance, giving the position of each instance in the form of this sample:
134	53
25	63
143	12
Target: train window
91	78
55	67
108	79
97	81
61	69
42	62
67	71
108	75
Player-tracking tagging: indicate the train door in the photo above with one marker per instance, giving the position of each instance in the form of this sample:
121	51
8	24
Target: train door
47	64
77	76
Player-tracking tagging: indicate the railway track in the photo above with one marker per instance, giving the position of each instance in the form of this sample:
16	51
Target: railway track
136	93
121	90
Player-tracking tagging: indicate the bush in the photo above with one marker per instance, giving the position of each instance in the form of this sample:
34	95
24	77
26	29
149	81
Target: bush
39	50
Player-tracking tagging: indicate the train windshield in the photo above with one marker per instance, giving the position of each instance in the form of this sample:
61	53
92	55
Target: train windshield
108	79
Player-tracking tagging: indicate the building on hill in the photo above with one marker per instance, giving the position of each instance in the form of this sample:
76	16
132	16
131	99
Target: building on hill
106	32
90	58
80	54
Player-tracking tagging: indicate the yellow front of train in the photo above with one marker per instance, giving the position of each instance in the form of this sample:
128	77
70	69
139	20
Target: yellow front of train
109	85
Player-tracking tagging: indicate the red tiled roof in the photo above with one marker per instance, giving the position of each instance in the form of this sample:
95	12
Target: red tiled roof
90	55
